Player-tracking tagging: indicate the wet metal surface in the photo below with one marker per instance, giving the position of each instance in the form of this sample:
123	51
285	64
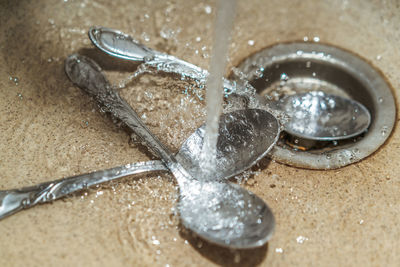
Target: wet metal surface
316	115
342	217
286	69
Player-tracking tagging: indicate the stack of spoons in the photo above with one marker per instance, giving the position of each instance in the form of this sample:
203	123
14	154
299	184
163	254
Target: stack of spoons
313	115
216	210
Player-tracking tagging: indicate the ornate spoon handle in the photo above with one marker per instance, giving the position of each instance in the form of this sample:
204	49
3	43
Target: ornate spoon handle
87	74
121	45
15	200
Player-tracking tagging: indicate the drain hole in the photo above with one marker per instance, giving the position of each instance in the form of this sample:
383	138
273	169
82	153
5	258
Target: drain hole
289	141
287	69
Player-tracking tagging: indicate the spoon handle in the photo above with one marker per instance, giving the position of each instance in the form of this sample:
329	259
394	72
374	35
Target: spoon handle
12	201
86	74
121	45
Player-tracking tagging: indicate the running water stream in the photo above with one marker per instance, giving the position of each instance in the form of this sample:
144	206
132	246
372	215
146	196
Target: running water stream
214	96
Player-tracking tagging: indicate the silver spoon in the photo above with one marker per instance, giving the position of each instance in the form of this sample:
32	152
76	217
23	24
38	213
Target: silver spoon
230	163
324	117
218	211
332	118
121	45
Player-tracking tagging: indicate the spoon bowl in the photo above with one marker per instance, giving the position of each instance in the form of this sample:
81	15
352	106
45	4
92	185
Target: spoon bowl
118	44
245	137
319	116
226	214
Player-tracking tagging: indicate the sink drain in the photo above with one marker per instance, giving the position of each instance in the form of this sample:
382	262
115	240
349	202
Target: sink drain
303	67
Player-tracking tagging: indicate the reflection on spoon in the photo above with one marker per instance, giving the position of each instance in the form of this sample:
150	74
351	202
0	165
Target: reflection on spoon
344	119
216	210
324	117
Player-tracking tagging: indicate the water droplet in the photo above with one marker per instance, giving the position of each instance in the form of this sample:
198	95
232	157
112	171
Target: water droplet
384	130
279	250
149	95
378	57
301	239
25	202
260	72
50	196
305	39
380	99
284	77
208	9
198	39
250	42
145	37
236	258
14	79
328	156
316	39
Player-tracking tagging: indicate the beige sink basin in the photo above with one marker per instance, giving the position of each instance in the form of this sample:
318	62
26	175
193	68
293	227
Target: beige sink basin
50	129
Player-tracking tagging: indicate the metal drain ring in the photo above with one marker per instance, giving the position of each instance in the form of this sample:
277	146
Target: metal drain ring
333	69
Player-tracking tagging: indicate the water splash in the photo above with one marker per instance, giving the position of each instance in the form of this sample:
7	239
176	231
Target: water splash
214	96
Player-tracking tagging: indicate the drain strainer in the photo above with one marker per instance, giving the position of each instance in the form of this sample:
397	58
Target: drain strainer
303	67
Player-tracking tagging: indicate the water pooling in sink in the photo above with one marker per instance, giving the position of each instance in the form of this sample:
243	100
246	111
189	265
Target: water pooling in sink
335	215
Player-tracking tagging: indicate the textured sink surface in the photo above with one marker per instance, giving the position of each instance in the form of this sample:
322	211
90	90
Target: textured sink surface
50	129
